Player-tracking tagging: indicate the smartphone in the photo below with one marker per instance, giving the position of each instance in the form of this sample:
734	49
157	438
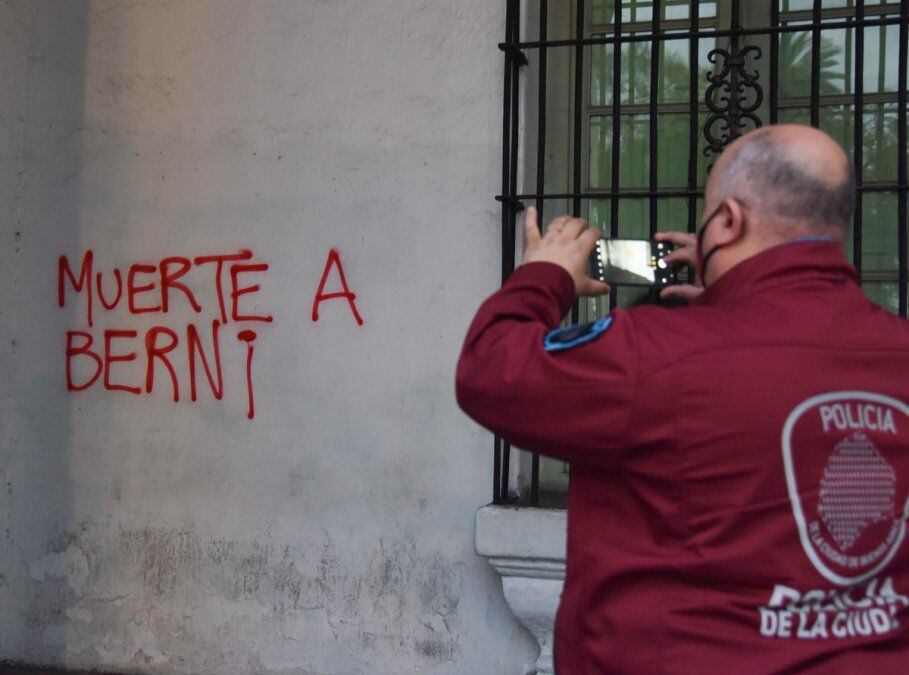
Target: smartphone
633	262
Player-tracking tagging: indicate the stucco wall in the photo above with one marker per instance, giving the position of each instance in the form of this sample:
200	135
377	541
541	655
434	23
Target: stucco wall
332	533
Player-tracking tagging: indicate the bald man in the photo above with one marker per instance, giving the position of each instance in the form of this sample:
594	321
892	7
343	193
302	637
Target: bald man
740	465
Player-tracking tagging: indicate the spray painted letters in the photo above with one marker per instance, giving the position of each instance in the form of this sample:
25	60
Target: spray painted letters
229	281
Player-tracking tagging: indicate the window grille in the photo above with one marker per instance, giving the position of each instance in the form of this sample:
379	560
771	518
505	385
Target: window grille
840	65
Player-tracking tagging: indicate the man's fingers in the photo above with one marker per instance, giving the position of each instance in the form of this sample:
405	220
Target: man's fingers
684	292
686	254
678	238
589	239
531	227
681	255
573	228
592	287
556	226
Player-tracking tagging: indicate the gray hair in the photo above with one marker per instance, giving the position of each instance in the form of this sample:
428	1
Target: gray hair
763	173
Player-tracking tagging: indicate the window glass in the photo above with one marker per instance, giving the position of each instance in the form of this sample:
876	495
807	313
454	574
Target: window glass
836	73
553	475
602	11
881	59
674	82
884	293
636	10
836	62
560	24
808	5
672	169
880	239
879	133
601	74
634	146
635	68
795	64
559	116
634	139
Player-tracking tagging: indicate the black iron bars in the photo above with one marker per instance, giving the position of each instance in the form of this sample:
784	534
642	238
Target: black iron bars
510	206
858	135
901	153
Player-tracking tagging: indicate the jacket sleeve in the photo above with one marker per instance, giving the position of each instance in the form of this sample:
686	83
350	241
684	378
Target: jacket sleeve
572	404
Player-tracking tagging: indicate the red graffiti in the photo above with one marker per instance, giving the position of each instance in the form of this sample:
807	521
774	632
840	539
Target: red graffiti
193	342
334	259
169	280
220	260
236	291
155	352
85	281
85	348
132	290
111	305
248	336
109	358
161	287
160	345
164	287
149	287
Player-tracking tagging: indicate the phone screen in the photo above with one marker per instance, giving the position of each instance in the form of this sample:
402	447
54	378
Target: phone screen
626	262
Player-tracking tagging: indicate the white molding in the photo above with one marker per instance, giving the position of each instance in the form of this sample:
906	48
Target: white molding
527	547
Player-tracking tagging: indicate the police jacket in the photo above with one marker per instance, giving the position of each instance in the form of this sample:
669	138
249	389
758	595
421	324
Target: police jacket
739	467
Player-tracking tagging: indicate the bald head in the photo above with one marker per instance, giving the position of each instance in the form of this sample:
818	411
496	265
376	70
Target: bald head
795	180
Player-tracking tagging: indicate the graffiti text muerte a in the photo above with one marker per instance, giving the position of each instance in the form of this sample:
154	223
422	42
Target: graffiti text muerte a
154	289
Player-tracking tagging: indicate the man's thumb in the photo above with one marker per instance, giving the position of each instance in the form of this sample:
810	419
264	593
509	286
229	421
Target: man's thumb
592	287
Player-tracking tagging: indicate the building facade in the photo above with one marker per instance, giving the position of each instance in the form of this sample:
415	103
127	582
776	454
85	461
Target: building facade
243	240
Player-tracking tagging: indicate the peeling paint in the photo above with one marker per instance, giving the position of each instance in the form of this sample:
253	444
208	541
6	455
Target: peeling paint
70	564
390	599
79	614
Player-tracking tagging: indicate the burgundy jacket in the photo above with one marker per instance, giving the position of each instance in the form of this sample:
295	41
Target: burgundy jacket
739	467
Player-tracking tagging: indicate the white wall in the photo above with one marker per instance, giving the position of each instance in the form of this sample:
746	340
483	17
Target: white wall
333	532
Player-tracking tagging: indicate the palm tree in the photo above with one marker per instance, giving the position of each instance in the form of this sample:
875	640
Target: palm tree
795	66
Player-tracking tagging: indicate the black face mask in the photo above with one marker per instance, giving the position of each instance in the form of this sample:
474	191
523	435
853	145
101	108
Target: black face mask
702	259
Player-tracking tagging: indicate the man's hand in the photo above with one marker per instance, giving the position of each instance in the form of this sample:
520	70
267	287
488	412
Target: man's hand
568	243
684	255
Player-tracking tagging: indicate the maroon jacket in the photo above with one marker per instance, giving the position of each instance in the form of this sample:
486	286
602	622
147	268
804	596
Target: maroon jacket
739	467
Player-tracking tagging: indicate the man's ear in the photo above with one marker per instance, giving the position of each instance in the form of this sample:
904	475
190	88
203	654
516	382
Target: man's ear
733	224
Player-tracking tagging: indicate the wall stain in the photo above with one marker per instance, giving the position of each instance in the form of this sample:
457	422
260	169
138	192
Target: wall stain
143	597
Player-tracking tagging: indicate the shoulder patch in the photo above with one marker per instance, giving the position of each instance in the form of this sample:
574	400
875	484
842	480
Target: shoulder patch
572	336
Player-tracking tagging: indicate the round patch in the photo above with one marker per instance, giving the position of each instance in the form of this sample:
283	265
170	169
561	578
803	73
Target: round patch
572	336
845	458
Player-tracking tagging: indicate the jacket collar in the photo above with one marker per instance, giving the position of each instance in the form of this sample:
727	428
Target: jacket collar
808	259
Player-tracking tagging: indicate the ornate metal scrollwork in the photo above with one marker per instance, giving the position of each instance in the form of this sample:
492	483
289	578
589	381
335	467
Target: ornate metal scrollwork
727	99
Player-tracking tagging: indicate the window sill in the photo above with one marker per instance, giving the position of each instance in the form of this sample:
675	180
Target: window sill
526	546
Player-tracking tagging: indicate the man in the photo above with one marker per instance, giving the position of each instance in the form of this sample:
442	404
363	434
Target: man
740	466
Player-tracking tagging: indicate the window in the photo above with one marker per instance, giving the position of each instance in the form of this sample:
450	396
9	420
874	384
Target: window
653	80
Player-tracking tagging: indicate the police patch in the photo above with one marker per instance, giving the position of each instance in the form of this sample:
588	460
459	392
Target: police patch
572	336
844	462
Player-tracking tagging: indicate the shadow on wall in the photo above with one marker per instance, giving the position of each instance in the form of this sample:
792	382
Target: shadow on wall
40	210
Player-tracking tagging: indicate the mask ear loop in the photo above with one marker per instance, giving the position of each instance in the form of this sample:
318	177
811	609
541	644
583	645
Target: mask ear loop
701	258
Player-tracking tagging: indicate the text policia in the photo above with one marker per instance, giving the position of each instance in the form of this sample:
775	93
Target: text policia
227	284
